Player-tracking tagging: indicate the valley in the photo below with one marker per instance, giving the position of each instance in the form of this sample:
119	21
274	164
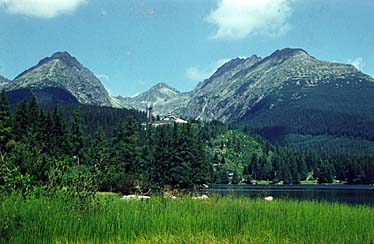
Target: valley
286	93
164	121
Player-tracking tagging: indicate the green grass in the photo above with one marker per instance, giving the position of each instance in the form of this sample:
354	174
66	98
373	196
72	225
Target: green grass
216	220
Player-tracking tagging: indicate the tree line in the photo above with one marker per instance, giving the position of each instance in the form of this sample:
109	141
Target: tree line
75	148
45	148
289	165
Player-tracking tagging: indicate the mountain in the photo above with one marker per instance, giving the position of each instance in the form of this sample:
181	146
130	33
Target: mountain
61	71
288	94
162	97
209	100
3	81
245	87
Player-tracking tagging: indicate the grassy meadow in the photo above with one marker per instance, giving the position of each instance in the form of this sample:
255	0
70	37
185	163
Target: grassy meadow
216	220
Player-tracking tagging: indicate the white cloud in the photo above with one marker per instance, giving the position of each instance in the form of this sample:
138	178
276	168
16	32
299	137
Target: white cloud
199	74
237	19
357	62
41	8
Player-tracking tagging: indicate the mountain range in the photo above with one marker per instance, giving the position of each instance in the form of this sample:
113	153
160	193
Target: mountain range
288	94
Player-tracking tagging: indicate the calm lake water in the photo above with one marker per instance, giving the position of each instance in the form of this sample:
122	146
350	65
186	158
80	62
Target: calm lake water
355	194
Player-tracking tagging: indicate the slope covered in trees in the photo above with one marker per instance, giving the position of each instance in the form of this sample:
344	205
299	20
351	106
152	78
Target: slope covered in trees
239	156
109	146
107	149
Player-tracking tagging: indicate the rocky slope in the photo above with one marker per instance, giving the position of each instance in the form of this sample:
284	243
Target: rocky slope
3	81
287	93
240	86
162	97
61	70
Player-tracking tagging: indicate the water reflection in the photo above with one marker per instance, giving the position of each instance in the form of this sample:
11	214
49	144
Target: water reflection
354	194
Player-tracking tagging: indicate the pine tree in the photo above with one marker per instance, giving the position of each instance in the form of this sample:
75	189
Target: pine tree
148	152
326	172
5	122
21	121
33	116
302	167
126	154
59	134
100	149
200	166
164	156
47	132
284	171
267	169
182	156
101	158
76	135
254	164
276	161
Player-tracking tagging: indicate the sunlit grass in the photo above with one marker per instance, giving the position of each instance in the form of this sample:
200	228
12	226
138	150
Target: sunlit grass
158	220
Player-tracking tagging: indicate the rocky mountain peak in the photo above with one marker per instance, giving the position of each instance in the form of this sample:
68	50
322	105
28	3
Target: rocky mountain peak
241	84
62	70
66	58
164	98
3	79
236	62
295	55
288	52
163	87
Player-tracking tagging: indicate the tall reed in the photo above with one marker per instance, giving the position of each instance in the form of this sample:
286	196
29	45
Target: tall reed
158	220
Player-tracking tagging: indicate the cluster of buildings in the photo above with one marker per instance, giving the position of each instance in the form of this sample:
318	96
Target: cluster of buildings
165	120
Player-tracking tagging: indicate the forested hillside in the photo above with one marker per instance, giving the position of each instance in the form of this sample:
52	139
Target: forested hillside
110	149
239	156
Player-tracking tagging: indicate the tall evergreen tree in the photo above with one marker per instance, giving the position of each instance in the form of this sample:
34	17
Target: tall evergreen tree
33	116
183	155
100	149
101	158
5	122
164	156
201	167
126	153
21	121
59	133
148	151
326	172
76	135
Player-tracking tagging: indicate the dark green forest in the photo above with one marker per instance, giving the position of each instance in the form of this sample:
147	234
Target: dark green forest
89	149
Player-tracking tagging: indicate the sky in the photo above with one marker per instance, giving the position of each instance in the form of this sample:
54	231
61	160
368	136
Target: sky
132	45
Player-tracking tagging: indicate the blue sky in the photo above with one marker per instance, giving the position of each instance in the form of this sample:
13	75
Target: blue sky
134	44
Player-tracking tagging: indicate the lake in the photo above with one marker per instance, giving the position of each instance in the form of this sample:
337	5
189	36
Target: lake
354	194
